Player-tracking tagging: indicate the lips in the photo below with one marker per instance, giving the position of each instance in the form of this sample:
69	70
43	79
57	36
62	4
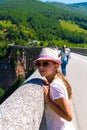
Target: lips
42	72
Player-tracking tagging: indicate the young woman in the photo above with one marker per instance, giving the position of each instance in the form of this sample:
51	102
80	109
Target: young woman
64	59
57	91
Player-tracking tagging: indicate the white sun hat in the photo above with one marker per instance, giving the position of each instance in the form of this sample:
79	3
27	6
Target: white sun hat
49	54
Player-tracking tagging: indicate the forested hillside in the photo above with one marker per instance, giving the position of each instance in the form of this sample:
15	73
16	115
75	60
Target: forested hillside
22	21
80	8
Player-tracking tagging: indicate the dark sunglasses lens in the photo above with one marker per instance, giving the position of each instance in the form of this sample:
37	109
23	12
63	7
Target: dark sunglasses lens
45	64
37	64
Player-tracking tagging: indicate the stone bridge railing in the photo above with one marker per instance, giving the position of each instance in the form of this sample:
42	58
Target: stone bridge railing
24	109
82	51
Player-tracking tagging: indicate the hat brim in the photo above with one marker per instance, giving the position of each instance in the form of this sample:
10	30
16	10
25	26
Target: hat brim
50	59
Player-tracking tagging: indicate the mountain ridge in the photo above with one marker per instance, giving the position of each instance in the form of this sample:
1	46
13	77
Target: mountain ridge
79	8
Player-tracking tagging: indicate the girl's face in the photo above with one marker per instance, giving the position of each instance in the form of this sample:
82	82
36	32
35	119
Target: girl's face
47	68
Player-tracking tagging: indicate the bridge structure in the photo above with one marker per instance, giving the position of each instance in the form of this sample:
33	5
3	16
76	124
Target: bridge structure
28	54
24	109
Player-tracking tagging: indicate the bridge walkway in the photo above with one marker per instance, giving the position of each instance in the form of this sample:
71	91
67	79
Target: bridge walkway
77	76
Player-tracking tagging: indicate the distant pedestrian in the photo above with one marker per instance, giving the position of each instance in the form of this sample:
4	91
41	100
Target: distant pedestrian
68	52
57	91
63	55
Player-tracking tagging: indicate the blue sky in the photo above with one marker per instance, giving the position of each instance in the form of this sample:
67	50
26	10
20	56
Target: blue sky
66	1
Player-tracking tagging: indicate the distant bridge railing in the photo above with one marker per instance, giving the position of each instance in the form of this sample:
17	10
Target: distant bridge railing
82	51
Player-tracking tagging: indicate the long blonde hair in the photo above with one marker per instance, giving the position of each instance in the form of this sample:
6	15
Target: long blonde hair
66	83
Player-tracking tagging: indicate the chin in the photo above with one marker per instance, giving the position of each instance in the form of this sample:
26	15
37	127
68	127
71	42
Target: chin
43	74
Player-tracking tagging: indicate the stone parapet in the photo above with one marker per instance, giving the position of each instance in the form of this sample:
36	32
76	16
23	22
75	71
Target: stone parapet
24	109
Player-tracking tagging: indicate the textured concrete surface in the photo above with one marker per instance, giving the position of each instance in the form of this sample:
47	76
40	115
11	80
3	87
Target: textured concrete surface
23	110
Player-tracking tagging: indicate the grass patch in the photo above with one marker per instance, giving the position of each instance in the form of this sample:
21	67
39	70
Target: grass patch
71	26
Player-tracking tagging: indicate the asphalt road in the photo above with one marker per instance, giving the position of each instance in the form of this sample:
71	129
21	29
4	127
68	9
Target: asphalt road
77	76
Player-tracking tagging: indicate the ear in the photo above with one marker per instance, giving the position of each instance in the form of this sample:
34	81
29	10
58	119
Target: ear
57	66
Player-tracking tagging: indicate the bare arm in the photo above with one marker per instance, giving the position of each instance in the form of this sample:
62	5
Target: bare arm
61	106
59	54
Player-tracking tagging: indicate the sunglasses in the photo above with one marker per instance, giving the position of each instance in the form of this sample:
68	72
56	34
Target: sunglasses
44	64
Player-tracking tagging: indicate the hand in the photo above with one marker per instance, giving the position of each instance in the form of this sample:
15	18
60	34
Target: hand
46	93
